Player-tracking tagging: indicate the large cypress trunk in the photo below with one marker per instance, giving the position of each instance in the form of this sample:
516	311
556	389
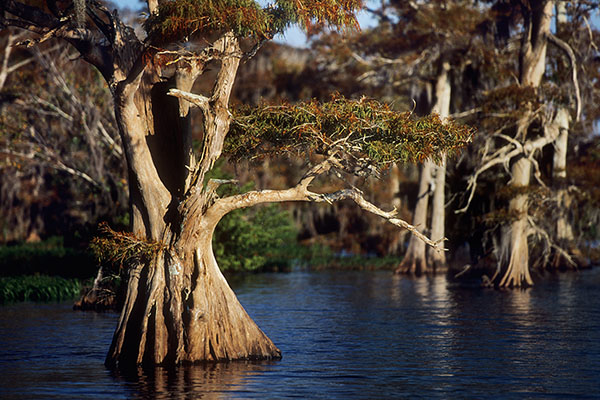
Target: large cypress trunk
516	251
433	176
443	91
564	231
178	307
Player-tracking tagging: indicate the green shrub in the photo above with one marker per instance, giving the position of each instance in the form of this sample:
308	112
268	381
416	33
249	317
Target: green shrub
250	240
38	288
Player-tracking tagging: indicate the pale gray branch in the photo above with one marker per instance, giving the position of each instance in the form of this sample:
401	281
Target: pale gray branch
197	99
301	193
503	156
564	46
53	163
549	241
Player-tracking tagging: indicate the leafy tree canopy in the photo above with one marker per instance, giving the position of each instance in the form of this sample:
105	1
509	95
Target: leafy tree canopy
178	19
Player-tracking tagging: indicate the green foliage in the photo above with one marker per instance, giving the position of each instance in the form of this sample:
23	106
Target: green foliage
178	19
38	288
49	257
369	128
246	241
122	249
252	239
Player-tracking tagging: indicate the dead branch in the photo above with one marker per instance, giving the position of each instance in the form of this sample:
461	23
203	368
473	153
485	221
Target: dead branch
198	100
564	46
550	243
507	153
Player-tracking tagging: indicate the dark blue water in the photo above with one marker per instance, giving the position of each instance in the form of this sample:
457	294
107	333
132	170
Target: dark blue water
361	335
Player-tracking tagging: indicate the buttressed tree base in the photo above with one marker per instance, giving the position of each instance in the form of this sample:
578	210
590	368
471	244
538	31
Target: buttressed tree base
179	307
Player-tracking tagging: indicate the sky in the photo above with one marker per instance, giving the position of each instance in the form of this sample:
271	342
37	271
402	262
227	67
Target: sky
293	36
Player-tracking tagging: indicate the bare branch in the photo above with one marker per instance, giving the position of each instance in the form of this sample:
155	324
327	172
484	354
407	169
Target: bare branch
200	101
115	147
550	242
52	162
505	154
301	193
465	114
564	46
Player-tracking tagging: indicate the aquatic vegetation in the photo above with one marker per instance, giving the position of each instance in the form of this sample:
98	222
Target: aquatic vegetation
38	288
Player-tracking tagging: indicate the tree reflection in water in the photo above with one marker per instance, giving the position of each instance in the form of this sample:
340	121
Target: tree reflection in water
193	381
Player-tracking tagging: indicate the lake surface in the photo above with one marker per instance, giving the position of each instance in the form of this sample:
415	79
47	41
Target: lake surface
344	335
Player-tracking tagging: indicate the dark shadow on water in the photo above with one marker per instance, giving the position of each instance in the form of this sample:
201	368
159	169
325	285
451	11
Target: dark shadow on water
190	380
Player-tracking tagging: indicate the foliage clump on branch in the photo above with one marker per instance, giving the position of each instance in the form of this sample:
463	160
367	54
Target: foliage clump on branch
363	127
123	248
176	20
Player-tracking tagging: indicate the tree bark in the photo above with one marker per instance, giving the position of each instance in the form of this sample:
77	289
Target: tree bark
179	307
437	259
564	231
516	253
397	239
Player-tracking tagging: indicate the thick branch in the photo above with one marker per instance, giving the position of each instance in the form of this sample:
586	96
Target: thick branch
198	100
301	193
505	154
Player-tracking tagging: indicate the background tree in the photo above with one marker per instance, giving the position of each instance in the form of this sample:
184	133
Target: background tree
417	53
522	121
178	306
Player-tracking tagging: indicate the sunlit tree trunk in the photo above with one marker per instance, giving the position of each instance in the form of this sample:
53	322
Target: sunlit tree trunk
516	271
437	259
432	183
564	230
179	308
395	245
414	261
514	264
